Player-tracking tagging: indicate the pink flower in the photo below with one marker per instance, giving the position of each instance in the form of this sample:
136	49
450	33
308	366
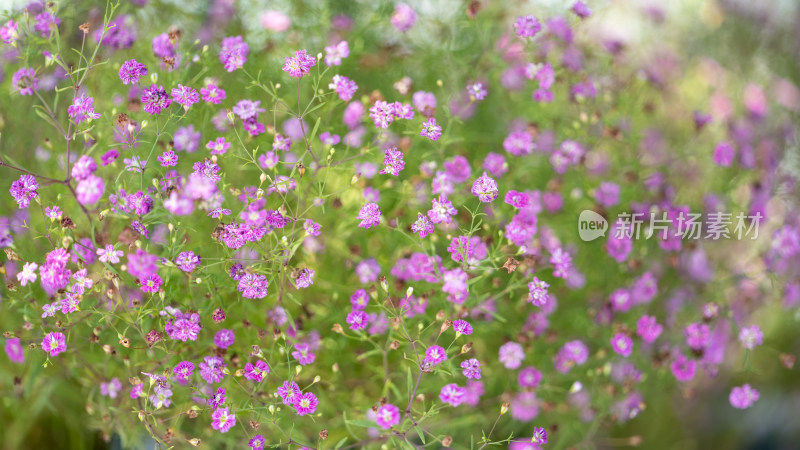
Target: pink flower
275	21
54	343
387	416
223	420
306	404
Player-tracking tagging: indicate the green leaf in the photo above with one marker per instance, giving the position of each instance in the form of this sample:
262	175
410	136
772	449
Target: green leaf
361	423
419	433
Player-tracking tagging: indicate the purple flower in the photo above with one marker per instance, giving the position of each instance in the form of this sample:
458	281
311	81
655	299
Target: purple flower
290	393
571	354
403	17
697	336
476	91
306	404
187	261
90	190
724	154
168	159
256	372
648	328
111	388
393	162
537	292
14	350
519	143
683	368
357	320
186	139
462	327
300	64
305	278
511	355
743	397
622	344
183	371
452	394
224	338
527	26
335	53
303	354
581	10
24	190
9	32
485	189
131	71
82	108
184	95
211	369
539	433
529	377
423	226
370	215
431	130
54	343
155	99
472	369
257	443
184	327
387	416
213	94
434	355
343	86
253	286
217	399
45	23
233	53
25	81
223	420
750	337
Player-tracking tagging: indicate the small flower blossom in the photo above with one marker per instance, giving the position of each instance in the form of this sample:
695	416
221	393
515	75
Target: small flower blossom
306	404
434	355
185	95
305	278
155	99
622	344
27	274
9	32
527	26
485	189
462	327
452	394
14	350
290	393
168	159
648	328
25	81
24	190
537	292
233	53
511	355
471	369
131	71
224	338
256	371
223	420
370	215
344	87
54	343
539	436
300	64
476	91
387	416
218	399
529	377
357	320
403	17
303	354
213	94
183	371
431	130
111	388
211	369
750	337
743	397
151	284
257	443
423	226
82	108
335	53
393	162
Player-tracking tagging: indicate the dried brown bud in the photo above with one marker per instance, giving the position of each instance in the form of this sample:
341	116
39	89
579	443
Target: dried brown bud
511	265
323	435
447	441
466	348
787	360
125	342
85	28
337	328
394	345
473	8
191	413
194	442
254	425
109	349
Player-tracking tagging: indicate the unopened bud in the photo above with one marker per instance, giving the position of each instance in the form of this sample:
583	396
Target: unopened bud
504	408
447	441
445	326
323	435
466	348
337	328
194	442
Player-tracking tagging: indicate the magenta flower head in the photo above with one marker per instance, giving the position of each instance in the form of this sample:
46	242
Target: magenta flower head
529	377
223	420
233	53
477	91
370	215
131	71
683	368
343	86
24	190
471	369
462	327
622	344
724	154
256	372
224	338
82	108
485	189
290	393
511	355
54	343
648	328
155	99
393	162
423	225
300	64
452	394
306	404
183	371
751	337
335	53
357	320
9	33
431	130
403	17
305	278
387	416
537	292
14	350
539	436
25	81
527	26
434	355
581	10
743	397
184	95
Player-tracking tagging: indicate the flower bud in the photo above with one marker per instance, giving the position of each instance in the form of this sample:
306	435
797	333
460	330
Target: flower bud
504	408
194	442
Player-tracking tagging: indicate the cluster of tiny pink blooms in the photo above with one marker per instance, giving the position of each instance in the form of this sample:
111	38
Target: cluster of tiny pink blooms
185	96
24	190
233	53
452	394
303	403
369	215
25	81
485	188
387	416
82	108
131	71
743	397
213	94
305	278
155	99
343	86
527	26
300	64
393	162
383	113
471	369
253	286
256	371
423	225
431	130
751	337
403	17
537	292
335	53
477	91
